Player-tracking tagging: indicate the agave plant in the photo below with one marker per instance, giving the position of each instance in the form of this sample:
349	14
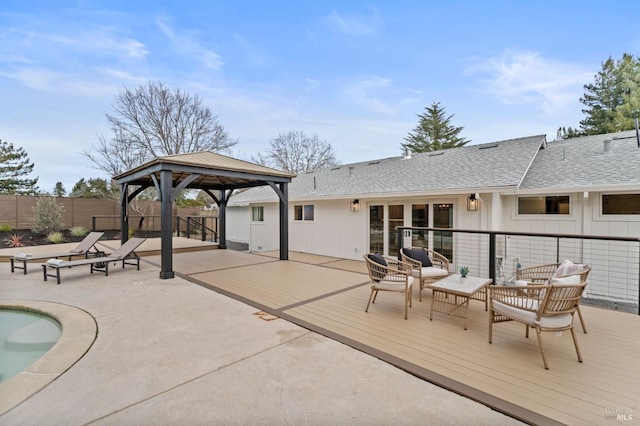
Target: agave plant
464	270
14	240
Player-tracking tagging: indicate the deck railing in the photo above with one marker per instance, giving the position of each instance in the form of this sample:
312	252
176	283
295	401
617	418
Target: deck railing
199	227
614	280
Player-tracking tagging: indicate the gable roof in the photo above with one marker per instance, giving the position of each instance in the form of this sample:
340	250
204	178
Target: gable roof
500	164
581	164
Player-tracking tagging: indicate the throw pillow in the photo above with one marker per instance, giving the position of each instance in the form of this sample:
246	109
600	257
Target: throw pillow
418	254
567	267
378	258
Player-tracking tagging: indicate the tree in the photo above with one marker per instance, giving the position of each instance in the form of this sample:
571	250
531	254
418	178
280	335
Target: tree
15	167
295	152
434	132
612	101
92	188
59	190
153	121
47	215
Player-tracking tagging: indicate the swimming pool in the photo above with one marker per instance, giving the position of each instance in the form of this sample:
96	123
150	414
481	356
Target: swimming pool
24	336
79	331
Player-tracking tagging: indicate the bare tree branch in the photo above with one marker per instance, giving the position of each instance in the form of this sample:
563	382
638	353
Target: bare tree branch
153	120
295	152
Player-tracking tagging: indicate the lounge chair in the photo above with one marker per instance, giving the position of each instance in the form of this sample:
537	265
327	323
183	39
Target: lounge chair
124	254
82	249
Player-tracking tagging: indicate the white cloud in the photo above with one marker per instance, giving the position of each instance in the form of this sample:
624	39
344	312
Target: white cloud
366	25
363	92
520	77
188	44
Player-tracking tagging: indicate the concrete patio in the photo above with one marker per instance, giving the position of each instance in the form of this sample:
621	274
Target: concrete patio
174	352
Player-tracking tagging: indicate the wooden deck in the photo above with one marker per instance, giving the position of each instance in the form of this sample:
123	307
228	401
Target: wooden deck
328	295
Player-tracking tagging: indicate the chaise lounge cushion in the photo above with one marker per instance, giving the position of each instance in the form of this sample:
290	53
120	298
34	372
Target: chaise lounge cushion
418	254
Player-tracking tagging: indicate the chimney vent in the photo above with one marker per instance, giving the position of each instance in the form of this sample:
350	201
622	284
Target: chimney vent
407	153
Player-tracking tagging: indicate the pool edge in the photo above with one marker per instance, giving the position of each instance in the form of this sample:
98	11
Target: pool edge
79	331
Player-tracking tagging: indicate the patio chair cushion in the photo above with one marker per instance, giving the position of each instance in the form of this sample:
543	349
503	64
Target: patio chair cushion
418	254
378	258
570	279
430	272
529	317
567	267
393	285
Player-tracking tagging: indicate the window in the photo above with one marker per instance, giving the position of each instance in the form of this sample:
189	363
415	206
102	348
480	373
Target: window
621	204
303	212
555	204
257	214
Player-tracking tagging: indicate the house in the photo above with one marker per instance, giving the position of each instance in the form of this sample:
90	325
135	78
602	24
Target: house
588	185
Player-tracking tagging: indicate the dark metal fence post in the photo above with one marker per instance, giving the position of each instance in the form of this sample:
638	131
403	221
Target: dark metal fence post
93	223
400	240
492	257
204	229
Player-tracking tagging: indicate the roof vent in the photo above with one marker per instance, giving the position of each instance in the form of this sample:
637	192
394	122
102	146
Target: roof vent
374	162
495	145
436	153
608	149
407	153
351	170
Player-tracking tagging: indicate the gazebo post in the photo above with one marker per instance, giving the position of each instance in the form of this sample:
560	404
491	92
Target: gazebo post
222	208
284	222
166	225
124	217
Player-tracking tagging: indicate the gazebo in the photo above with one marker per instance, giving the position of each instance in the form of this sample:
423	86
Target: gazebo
209	172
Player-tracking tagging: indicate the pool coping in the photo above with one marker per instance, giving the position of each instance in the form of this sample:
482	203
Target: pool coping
79	331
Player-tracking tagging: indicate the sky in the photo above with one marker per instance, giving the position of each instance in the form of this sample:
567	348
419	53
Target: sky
355	73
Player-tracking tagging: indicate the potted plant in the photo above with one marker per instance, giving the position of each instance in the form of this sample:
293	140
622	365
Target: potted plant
464	270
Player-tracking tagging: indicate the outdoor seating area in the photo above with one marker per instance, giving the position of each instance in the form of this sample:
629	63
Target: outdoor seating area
326	295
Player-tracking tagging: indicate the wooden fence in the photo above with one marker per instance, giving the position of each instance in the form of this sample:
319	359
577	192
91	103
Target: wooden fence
16	211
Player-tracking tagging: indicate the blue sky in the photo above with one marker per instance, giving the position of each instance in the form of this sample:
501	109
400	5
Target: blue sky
355	73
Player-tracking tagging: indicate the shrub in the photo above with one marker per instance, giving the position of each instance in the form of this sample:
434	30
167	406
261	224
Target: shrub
132	233
5	228
14	241
79	231
47	215
55	237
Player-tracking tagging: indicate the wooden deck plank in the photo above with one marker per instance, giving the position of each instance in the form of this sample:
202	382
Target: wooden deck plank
332	301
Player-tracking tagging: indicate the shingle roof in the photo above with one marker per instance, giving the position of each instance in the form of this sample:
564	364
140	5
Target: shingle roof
206	169
582	164
492	165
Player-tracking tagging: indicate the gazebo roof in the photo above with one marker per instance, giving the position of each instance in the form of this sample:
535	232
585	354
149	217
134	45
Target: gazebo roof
215	171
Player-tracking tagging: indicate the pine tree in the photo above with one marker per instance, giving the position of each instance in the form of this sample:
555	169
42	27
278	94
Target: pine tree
434	132
613	100
15	168
59	190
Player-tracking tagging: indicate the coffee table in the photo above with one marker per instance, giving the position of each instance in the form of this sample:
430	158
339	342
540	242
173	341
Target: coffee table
451	295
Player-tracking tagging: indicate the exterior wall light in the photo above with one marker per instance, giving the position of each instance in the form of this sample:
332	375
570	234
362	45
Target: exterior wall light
472	203
355	206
